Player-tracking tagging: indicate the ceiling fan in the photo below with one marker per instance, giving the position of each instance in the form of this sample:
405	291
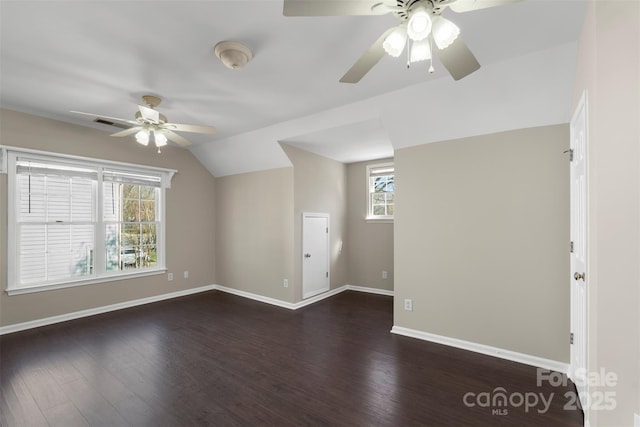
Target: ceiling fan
151	125
421	25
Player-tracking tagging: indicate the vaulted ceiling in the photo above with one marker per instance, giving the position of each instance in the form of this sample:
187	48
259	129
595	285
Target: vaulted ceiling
102	56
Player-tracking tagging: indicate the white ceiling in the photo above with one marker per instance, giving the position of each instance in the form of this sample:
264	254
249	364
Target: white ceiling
101	56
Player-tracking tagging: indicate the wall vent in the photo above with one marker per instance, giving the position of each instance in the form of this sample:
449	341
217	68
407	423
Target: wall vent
110	123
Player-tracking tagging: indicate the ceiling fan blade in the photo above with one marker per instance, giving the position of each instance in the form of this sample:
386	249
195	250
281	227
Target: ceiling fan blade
458	59
149	114
127	132
172	136
334	7
131	122
470	5
190	128
366	61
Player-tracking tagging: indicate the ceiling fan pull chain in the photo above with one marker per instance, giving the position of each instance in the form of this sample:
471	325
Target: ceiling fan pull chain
431	69
409	52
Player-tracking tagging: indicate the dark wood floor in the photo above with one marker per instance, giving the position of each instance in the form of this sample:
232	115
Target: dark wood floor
218	359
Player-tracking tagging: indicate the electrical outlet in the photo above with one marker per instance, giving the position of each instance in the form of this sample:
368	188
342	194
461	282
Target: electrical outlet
285	283
186	274
170	276
408	304
384	274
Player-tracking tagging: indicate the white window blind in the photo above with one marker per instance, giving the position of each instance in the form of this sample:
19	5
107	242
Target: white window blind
55	221
75	220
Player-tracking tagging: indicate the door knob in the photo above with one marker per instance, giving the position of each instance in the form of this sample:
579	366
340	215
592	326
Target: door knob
307	255
579	276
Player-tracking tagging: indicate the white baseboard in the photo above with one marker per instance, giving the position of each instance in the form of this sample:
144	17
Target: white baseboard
127	304
255	297
514	356
369	290
16	327
319	297
465	345
304	302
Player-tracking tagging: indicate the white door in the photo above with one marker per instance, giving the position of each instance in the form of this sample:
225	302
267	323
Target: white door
579	276
315	254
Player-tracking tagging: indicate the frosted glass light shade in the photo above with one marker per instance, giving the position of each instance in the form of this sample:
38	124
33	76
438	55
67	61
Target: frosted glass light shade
142	137
419	25
161	140
394	43
445	32
420	51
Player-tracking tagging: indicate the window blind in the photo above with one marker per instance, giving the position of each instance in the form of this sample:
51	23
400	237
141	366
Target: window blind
75	220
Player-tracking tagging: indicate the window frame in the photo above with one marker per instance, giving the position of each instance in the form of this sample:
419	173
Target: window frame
101	275
370	217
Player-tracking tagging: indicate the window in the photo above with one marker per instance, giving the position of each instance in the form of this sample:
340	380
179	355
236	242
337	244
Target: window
75	221
380	190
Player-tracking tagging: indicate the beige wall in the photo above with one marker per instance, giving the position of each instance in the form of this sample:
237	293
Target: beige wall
254	232
369	245
481	240
189	226
609	69
319	187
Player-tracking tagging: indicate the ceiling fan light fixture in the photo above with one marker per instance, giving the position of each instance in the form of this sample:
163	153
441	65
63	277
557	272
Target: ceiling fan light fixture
420	51
160	139
419	25
234	55
394	43
142	137
445	32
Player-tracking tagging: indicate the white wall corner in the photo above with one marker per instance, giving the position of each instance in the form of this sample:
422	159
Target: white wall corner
513	356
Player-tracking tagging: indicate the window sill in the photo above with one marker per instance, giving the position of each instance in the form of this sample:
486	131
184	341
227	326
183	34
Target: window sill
63	285
379	220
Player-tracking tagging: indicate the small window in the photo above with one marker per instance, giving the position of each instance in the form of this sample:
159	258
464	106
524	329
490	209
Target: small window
380	191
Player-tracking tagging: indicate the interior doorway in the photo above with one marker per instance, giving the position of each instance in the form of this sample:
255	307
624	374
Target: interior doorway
579	276
315	254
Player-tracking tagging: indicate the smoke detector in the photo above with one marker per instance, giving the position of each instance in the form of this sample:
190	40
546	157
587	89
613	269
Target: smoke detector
234	55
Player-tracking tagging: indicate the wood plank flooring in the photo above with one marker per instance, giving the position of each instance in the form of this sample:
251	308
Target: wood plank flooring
214	359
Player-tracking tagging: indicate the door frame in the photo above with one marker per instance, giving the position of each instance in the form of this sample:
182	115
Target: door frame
577	323
306	215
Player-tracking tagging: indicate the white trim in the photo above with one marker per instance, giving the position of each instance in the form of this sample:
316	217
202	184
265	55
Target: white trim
255	297
327	216
280	303
319	297
370	290
166	179
370	218
3	160
16	327
15	288
305	302
514	356
97	280
314	293
378	220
